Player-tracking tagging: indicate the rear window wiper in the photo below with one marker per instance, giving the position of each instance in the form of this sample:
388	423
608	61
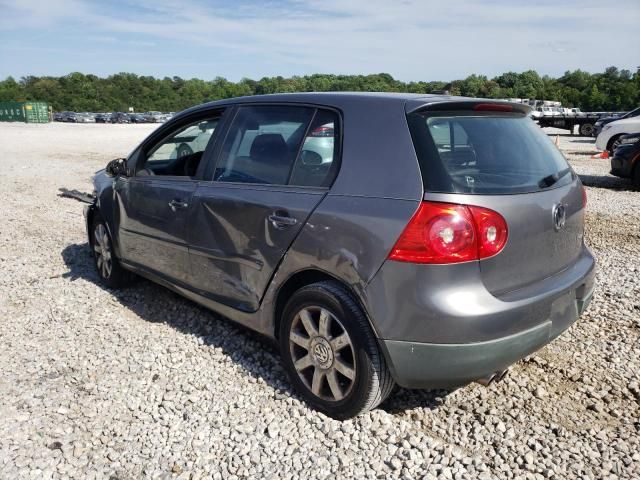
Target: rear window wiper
552	179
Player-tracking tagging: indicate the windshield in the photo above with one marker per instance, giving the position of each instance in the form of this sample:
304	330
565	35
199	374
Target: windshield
486	154
632	113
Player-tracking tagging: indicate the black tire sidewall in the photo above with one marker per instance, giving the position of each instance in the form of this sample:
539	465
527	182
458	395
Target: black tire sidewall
612	140
318	296
586	126
635	176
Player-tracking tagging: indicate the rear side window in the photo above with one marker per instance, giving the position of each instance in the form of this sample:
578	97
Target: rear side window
280	145
317	162
485	154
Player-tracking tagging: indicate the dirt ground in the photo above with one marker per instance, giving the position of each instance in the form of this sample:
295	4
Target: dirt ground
142	383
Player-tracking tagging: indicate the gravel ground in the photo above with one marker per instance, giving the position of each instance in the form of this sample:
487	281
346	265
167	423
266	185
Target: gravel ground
144	384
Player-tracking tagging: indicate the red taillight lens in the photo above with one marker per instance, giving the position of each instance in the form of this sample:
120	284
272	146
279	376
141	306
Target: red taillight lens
584	197
491	229
450	233
323	131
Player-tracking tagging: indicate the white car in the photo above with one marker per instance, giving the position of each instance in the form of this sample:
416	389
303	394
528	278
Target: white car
609	137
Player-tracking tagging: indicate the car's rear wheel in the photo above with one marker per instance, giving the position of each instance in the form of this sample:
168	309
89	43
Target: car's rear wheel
330	352
587	129
107	265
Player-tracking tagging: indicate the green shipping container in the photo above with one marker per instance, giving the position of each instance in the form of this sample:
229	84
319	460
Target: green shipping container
28	112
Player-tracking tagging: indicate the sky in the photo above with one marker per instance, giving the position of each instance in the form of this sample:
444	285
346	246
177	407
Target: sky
410	39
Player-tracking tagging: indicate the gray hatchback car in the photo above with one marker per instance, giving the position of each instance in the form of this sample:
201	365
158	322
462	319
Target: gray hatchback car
437	241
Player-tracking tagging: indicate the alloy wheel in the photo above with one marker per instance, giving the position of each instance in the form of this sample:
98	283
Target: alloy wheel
102	251
322	353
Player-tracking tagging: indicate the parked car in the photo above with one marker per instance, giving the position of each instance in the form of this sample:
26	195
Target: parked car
626	158
119	117
138	118
68	117
609	137
606	120
103	118
443	242
154	117
58	117
85	117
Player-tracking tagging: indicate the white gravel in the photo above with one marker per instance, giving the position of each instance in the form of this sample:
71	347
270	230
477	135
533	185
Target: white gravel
144	384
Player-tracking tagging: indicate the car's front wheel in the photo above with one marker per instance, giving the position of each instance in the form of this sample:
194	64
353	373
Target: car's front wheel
107	265
614	142
330	352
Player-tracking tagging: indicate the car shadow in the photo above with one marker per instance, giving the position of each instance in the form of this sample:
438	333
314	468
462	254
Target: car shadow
255	353
609	182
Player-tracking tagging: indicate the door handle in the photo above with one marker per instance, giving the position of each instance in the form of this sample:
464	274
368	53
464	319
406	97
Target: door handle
176	204
281	220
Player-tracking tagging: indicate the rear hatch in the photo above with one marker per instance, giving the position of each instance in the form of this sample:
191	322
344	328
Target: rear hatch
493	155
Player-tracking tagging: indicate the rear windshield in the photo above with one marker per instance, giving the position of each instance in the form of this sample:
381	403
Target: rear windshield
485	154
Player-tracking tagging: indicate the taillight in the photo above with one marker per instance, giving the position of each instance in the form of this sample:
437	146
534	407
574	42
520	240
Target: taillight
450	233
491	229
584	197
323	131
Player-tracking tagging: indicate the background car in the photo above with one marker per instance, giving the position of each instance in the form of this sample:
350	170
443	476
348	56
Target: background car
85	117
71	117
119	117
137	118
103	118
626	158
609	137
606	120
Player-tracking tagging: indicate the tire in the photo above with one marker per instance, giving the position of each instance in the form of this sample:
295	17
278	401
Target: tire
110	271
587	129
635	178
184	150
330	353
613	143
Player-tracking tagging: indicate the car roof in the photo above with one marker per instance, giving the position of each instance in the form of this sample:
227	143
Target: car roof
409	101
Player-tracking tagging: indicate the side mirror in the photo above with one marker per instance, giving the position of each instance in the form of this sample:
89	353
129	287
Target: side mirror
310	158
116	168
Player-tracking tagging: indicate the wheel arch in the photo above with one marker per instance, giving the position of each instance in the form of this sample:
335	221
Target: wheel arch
612	140
301	279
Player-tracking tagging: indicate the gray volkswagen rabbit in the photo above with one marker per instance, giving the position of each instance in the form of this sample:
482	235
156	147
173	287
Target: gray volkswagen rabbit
421	240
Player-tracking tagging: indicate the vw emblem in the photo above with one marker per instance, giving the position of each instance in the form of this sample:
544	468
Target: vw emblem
559	217
321	352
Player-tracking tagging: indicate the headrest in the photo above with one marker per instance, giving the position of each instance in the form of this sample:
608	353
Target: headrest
269	147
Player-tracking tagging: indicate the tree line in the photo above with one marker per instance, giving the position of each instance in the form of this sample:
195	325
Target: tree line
611	90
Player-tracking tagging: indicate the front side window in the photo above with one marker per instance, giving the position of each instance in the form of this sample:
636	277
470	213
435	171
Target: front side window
279	145
180	153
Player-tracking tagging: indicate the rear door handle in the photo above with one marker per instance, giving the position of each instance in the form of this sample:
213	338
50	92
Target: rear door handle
282	220
176	204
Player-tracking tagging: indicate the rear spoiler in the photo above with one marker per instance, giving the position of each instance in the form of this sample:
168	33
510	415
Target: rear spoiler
450	104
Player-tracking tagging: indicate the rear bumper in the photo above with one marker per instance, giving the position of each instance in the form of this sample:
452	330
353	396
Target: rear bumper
430	365
478	334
